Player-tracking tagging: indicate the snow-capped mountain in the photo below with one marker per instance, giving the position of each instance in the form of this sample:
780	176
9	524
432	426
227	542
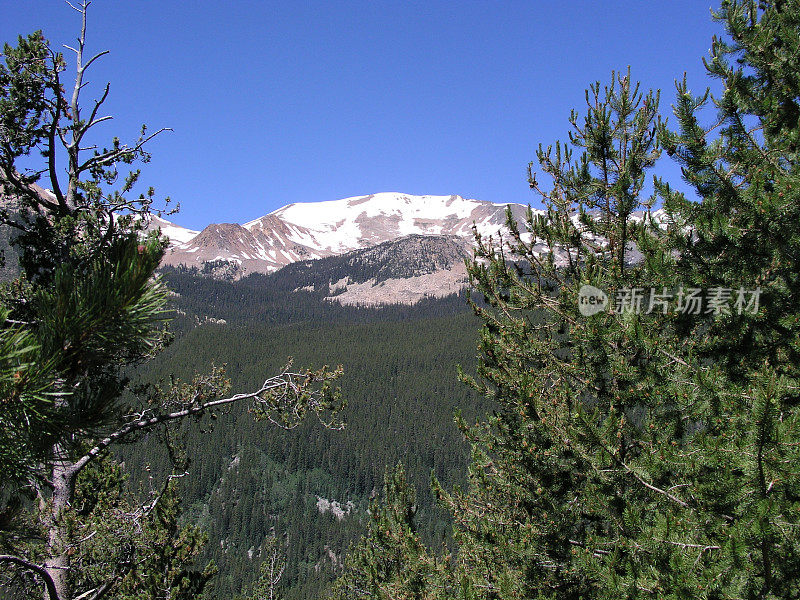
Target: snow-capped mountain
175	233
311	230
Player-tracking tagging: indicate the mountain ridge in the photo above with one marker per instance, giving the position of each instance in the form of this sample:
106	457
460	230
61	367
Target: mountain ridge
312	230
402	271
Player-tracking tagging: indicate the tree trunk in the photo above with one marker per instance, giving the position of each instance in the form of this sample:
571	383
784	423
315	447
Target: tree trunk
55	517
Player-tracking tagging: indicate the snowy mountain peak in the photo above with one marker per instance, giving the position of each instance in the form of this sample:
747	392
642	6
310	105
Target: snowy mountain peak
175	233
308	230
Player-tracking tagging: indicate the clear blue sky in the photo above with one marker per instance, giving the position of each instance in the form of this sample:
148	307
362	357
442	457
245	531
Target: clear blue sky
279	102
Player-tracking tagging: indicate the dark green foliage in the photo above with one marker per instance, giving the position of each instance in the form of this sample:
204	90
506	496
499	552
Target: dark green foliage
401	390
389	562
746	227
26	393
550	481
649	454
92	320
745	234
272	300
24	80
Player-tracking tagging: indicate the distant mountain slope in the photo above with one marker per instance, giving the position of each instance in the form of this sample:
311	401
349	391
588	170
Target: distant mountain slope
343	225
403	271
175	233
312	230
301	233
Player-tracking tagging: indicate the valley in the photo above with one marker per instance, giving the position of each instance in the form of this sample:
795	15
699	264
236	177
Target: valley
248	480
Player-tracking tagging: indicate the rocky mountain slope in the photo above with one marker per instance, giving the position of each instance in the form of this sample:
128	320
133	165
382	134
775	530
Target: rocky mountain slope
368	250
312	230
402	271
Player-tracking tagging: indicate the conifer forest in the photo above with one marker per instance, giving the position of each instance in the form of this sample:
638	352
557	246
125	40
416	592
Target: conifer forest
609	408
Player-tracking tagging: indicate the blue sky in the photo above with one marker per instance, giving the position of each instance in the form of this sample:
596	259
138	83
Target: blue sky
280	102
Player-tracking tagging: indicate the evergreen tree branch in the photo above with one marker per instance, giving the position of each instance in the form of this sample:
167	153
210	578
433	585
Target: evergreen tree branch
51	134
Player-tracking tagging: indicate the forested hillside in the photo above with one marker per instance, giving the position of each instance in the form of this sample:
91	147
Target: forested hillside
277	298
402	391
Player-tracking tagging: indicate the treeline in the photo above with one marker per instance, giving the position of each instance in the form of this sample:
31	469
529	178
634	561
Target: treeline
272	299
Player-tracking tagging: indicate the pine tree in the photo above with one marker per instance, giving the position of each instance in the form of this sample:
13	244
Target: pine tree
742	241
551	475
141	546
271	570
649	451
92	307
390	562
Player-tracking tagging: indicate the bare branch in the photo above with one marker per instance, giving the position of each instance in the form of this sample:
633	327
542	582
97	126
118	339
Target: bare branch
651	486
673	357
286	382
38	569
97	105
94	58
595	551
101	591
112	155
701	547
95	122
75	8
